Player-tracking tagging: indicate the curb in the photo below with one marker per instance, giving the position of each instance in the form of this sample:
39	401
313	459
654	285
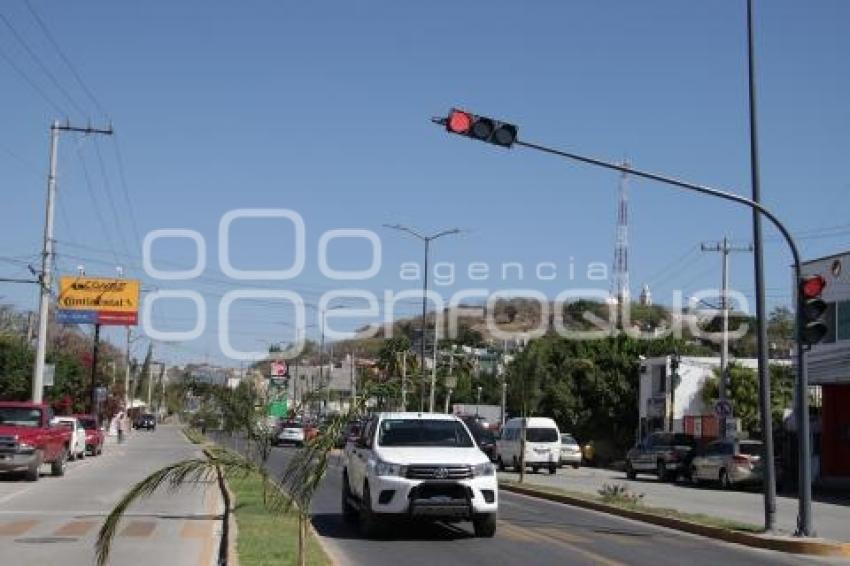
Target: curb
812	547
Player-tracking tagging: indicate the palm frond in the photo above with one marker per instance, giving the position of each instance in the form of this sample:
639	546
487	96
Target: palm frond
171	477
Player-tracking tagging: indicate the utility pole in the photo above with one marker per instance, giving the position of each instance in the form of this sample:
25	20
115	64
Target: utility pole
94	356
433	373
725	248
427	240
127	396
448	399
150	377
504	398
46	277
804	525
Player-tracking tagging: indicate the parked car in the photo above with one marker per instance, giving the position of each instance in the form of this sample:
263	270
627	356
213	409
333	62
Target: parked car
570	451
424	466
483	436
665	454
289	432
146	421
542	444
729	462
77	446
29	437
94	434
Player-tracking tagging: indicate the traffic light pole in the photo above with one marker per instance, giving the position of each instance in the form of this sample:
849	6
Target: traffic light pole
804	517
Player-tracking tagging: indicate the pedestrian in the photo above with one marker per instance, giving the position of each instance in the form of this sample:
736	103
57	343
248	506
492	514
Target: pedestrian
120	428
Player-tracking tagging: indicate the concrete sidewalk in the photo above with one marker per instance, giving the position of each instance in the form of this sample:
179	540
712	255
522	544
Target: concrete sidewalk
832	520
56	520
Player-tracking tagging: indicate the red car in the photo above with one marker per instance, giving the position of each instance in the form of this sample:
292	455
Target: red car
94	434
29	438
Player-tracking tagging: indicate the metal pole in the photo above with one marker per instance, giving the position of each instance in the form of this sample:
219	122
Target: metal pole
433	372
94	354
504	399
404	380
422	345
150	378
448	400
46	278
322	353
127	374
769	483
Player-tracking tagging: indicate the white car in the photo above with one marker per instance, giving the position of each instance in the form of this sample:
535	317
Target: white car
418	465
542	444
570	451
290	433
77	449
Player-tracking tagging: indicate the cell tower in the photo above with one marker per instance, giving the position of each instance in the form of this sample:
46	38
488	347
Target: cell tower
620	279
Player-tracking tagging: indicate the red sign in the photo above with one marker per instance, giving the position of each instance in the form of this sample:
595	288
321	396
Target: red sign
278	369
117	318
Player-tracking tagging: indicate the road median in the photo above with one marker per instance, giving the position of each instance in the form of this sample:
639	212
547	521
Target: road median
695	524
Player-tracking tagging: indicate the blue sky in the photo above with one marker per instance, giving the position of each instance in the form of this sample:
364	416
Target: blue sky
324	108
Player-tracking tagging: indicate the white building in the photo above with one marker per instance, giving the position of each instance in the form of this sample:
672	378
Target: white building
683	411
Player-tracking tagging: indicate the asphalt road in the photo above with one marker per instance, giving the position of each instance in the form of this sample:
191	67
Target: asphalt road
56	520
530	531
745	505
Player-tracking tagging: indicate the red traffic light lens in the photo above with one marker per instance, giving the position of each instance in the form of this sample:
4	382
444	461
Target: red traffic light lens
812	287
459	122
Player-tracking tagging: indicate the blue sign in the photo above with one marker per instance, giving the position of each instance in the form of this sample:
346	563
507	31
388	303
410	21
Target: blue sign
76	317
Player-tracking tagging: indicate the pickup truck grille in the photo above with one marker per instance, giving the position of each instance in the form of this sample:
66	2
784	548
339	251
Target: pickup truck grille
437	472
8	444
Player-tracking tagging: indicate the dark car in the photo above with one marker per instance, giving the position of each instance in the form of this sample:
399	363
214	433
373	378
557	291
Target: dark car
147	422
664	454
484	437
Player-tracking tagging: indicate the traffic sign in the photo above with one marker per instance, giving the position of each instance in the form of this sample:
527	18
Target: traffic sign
49	374
723	408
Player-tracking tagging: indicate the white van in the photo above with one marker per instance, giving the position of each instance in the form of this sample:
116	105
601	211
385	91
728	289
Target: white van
542	444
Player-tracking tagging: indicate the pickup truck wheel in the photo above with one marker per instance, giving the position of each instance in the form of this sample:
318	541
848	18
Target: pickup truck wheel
501	464
485	525
349	512
725	482
369	524
630	471
57	467
552	470
32	473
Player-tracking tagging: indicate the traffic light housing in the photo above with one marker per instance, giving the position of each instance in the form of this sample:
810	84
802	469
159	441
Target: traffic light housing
480	128
812	308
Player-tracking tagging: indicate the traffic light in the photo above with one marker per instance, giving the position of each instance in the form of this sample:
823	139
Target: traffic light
480	128
812	307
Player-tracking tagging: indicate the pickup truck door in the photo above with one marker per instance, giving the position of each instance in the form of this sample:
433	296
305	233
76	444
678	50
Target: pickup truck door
358	459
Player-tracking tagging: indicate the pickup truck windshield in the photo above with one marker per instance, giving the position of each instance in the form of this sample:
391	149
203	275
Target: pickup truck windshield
415	432
88	424
20	416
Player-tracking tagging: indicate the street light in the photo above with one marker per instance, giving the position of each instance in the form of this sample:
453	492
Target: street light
427	239
804	518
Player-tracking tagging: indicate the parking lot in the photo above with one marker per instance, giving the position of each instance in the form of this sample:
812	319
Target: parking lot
747	506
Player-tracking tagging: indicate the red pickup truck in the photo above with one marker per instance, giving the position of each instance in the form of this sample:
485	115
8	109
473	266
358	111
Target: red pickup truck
28	439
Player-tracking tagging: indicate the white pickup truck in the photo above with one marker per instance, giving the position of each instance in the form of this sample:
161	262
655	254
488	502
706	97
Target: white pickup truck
77	447
418	466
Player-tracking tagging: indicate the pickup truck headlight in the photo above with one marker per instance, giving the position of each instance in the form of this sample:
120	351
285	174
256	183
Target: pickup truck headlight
387	469
485	469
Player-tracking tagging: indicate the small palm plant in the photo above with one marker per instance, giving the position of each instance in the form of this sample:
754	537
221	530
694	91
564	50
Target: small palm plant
295	490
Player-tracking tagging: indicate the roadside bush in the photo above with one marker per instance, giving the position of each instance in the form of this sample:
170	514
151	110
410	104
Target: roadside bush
620	494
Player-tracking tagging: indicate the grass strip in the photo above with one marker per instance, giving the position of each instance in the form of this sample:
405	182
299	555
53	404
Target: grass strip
698	518
265	538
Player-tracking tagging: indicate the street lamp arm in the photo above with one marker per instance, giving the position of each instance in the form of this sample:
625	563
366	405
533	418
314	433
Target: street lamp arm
401	228
444	233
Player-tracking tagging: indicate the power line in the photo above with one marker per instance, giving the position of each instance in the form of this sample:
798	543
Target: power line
123	179
42	66
95	205
107	188
65	58
59	110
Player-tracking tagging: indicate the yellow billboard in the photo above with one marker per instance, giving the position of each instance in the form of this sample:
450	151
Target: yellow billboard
79	293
